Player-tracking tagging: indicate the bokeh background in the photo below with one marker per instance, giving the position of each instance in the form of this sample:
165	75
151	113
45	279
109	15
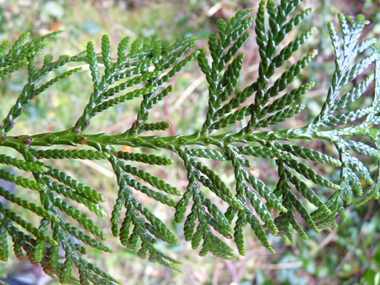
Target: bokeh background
348	255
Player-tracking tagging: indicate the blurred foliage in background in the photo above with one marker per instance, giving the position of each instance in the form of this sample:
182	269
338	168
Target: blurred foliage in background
348	255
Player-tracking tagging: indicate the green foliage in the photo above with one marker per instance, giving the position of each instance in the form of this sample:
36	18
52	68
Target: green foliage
144	73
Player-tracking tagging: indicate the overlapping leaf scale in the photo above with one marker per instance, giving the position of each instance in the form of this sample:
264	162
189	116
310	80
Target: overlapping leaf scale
291	24
183	203
13	68
260	29
175	51
235	27
46	85
358	167
131	82
96	270
20	164
280	116
262	210
217	227
73	195
283	226
347	188
197	212
207	153
306	192
153	101
128	96
310	174
323	222
332	204
125	227
373	193
264	191
288	76
218	216
154	181
146	158
39	249
189	226
19	239
258	229
363	148
231	118
221	86
156	226
354	94
106	54
355	183
216	246
19	52
75	153
229	79
215	179
358	68
121	50
219	221
177	68
204	65
3	48
24	182
162	231
93	64
86	191
287	99
65	270
241	222
121	197
289	50
159	126
291	201
135	68
309	154
348	117
26	225
178	49
4	253
210	184
264	152
78	216
28	205
236	101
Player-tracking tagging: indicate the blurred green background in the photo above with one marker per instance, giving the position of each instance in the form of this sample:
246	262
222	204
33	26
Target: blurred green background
348	255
